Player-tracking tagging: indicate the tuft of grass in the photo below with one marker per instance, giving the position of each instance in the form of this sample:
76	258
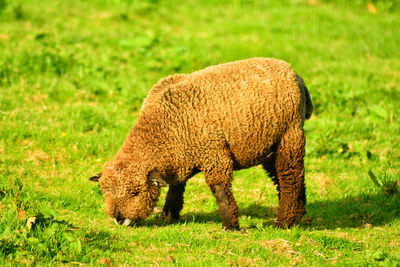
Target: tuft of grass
386	183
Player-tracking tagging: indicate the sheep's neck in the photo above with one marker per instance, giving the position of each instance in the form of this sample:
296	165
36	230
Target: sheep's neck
139	147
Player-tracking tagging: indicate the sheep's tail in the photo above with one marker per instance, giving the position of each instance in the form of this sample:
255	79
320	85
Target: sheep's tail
307	102
309	106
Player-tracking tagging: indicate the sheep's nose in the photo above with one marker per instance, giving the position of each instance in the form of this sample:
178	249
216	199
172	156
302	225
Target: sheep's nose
119	219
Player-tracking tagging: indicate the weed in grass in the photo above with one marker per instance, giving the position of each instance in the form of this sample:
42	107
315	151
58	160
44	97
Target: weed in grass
42	237
386	183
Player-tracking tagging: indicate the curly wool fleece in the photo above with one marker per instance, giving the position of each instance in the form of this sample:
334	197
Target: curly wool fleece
216	120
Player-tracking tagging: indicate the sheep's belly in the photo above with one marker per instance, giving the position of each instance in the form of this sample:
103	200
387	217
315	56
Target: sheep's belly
250	148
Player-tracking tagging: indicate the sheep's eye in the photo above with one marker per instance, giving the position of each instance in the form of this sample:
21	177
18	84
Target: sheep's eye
135	194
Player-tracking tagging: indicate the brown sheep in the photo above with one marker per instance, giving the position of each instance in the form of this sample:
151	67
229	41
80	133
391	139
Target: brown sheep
220	119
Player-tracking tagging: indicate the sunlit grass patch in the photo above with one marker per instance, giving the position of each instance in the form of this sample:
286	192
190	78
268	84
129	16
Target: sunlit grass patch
73	76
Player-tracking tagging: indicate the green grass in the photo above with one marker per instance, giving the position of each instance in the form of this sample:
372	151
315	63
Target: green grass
73	75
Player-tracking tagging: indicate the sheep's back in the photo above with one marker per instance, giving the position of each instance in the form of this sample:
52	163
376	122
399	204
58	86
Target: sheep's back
248	103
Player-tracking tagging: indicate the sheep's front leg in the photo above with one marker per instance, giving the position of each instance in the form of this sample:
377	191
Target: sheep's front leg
219	177
290	175
227	206
174	201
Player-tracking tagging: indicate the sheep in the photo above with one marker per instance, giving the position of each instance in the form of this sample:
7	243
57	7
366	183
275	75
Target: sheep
223	118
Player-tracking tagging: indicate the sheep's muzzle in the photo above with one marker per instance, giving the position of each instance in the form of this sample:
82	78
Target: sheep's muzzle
119	219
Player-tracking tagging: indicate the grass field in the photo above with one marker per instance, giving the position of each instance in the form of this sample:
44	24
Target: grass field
73	75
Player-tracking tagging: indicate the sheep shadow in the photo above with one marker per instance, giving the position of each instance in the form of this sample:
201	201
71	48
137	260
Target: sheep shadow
348	212
353	211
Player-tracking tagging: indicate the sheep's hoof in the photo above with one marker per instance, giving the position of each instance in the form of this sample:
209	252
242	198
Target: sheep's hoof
231	229
280	225
169	218
283	225
286	223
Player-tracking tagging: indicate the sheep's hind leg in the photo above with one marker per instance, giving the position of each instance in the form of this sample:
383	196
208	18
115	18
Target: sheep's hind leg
289	166
174	201
269	167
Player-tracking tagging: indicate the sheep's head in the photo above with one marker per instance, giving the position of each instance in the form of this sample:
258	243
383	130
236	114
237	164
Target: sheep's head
131	191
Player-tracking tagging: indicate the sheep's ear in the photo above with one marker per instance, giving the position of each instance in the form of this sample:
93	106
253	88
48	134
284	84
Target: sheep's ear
156	179
95	178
